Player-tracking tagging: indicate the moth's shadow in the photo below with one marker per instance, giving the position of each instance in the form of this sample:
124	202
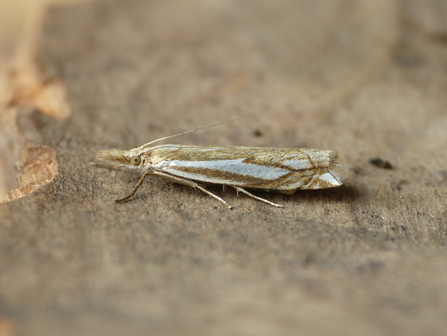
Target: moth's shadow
344	193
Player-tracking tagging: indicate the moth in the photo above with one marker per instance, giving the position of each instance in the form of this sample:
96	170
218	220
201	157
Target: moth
283	170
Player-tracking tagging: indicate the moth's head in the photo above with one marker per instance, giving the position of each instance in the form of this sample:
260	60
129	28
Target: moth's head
120	157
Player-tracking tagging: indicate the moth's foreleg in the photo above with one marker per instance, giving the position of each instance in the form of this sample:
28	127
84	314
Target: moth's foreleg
139	183
191	184
239	189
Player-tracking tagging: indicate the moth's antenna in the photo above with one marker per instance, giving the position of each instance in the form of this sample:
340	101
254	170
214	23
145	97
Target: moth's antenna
195	129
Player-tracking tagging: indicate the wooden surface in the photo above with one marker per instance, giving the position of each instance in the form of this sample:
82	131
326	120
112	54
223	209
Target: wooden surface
365	78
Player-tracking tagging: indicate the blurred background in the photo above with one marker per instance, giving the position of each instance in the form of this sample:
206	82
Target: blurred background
16	16
19	22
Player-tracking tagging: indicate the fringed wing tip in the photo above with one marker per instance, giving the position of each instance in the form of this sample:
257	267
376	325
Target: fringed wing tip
337	181
334	180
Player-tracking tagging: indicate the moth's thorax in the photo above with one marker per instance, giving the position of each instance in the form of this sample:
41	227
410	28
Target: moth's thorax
155	155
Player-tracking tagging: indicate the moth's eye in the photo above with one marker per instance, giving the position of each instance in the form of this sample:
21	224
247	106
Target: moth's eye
135	160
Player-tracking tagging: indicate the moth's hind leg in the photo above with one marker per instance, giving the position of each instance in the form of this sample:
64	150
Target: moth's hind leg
256	197
191	184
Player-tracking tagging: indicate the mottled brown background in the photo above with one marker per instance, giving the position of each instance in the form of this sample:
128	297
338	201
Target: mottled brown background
365	78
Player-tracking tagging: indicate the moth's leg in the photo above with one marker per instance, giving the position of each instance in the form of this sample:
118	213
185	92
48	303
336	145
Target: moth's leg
256	197
139	183
190	184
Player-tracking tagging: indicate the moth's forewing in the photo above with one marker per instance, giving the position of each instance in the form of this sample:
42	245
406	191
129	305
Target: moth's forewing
283	169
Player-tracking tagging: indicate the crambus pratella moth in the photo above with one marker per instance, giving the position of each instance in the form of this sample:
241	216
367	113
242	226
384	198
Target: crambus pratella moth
284	170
